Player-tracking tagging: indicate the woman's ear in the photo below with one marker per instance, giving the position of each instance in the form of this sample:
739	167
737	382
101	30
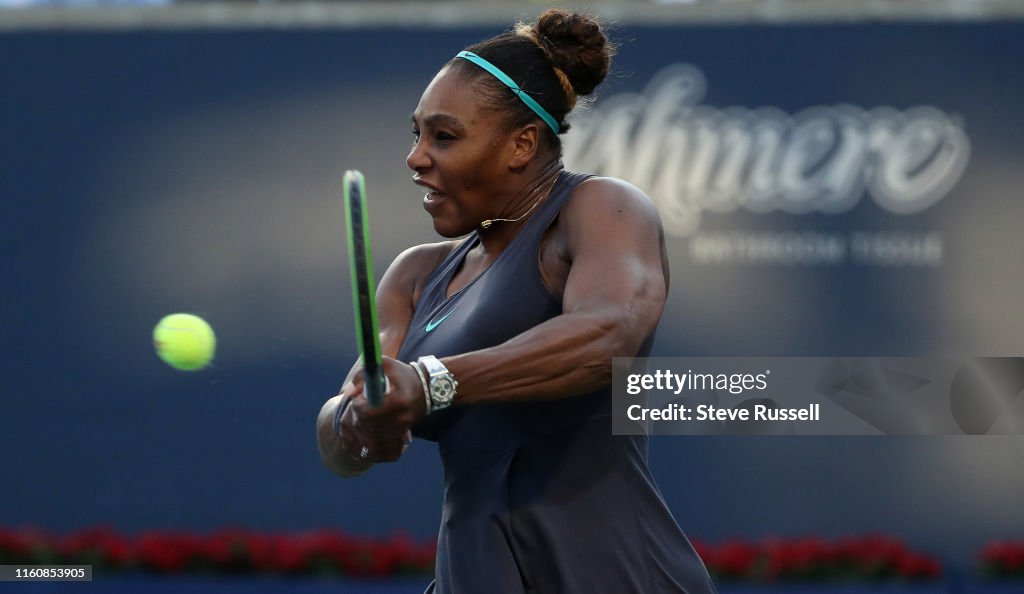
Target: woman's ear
525	144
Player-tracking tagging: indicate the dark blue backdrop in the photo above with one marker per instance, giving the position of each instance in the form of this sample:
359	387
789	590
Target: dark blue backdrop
151	172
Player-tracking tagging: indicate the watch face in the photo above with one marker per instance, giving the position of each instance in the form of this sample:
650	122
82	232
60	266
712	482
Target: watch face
442	389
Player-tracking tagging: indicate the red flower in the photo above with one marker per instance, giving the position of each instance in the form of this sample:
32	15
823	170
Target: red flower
99	545
169	552
229	550
292	554
772	559
1003	558
32	545
735	558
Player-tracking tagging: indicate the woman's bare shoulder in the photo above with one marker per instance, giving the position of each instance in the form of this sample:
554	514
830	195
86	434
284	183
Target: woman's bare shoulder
424	258
409	272
608	195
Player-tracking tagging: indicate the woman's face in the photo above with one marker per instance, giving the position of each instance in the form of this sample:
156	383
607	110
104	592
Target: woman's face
460	153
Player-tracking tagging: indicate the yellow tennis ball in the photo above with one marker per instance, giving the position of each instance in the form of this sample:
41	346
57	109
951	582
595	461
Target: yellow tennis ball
184	341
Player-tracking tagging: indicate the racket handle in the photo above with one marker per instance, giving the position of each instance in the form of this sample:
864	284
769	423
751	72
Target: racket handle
375	388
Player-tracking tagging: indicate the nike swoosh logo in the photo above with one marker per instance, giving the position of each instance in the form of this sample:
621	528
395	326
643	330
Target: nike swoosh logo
434	324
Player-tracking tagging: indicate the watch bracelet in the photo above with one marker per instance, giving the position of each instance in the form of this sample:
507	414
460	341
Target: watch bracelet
423	380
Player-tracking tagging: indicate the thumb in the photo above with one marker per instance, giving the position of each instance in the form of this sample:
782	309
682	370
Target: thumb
354	387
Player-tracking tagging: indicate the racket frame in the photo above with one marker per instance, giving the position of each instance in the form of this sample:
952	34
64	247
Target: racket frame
360	254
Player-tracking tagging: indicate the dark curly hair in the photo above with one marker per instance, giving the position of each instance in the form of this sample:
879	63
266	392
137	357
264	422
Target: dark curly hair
562	56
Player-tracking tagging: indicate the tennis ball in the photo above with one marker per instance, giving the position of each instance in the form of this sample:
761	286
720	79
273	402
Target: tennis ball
184	341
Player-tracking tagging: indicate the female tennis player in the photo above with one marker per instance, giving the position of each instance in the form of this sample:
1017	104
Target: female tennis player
499	345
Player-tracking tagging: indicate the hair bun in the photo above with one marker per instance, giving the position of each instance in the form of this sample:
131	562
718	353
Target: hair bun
577	46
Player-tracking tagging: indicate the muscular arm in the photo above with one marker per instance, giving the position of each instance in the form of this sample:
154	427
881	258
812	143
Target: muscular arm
396	297
614	296
616	282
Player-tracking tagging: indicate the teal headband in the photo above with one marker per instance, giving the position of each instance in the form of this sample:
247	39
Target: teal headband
525	97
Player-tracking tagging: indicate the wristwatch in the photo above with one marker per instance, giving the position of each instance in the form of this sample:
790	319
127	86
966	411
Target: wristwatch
441	383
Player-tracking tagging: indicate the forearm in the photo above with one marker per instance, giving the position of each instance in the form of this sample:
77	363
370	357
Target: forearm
332	448
568	355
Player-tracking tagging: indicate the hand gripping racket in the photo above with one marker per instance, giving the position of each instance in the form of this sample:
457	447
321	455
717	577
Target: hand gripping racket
360	257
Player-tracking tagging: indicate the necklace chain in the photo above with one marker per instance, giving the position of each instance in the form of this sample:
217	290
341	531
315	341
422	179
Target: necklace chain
487	224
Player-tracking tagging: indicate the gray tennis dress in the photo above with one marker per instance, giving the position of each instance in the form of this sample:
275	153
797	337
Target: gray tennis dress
539	496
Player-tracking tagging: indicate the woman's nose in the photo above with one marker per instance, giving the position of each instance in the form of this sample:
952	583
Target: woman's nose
417	159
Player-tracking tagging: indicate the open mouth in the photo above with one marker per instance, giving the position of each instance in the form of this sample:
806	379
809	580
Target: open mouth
432	200
433	197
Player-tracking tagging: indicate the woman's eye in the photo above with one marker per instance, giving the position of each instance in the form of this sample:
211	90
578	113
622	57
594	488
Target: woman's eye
439	137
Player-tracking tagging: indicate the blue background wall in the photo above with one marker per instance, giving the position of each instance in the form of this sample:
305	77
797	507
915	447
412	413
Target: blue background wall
152	172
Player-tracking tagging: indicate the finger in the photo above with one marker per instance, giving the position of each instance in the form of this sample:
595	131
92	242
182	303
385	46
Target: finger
383	428
349	389
387	451
360	405
395	406
350	441
390	367
353	435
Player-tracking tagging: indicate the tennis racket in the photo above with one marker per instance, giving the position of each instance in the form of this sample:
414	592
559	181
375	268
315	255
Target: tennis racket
360	256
